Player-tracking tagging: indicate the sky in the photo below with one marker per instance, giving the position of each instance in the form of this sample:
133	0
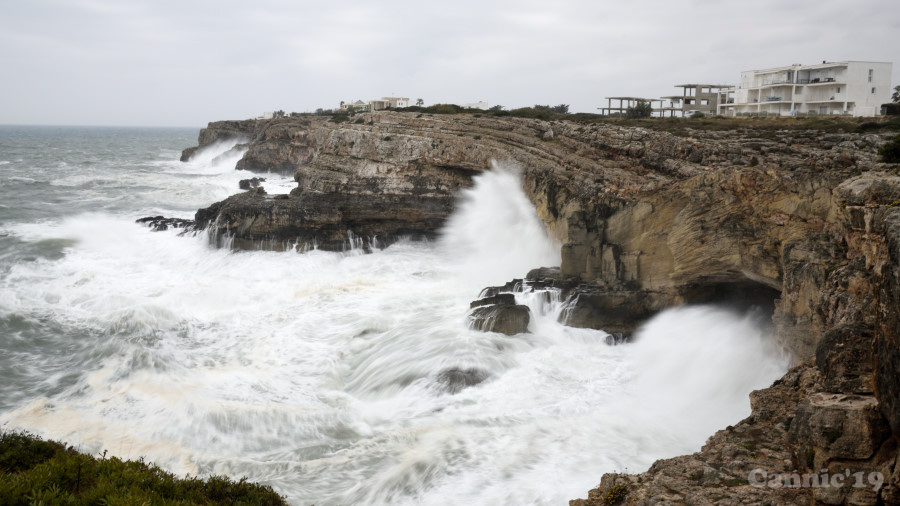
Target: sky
188	62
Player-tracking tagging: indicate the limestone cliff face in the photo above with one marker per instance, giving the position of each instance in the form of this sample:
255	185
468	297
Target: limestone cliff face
796	221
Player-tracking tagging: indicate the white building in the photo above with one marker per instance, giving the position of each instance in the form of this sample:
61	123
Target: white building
477	105
377	105
855	88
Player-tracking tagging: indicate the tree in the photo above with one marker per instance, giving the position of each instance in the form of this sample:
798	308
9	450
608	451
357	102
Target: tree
496	108
560	109
419	102
642	109
278	114
896	96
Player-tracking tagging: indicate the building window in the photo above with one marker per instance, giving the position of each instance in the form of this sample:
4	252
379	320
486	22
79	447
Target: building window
839	89
688	101
871	72
873	91
704	101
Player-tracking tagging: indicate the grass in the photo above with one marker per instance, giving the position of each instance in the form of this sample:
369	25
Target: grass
34	471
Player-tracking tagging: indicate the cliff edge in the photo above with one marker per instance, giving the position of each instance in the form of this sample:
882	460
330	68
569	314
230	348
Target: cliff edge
801	222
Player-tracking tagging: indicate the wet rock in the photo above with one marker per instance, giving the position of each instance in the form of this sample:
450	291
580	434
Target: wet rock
513	286
221	131
613	311
253	182
499	314
160	223
506	299
455	379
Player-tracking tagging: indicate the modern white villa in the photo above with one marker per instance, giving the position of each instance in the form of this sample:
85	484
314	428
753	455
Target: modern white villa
855	88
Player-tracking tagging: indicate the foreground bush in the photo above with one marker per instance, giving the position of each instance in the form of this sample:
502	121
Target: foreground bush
890	152
33	471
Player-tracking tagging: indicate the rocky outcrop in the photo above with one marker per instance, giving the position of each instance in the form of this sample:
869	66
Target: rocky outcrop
798	223
251	183
499	313
161	223
223	131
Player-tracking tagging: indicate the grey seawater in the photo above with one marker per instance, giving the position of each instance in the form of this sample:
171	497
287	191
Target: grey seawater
321	373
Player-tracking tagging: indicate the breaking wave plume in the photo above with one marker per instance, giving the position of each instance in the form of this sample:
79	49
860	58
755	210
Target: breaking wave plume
495	234
344	378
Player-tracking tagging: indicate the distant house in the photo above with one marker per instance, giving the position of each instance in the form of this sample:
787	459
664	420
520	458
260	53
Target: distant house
396	102
357	105
854	88
477	105
266	115
377	105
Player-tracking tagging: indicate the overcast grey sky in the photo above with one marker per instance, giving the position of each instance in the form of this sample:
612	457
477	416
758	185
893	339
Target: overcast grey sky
184	63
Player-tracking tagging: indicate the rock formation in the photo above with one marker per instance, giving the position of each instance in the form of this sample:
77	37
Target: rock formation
499	313
800	223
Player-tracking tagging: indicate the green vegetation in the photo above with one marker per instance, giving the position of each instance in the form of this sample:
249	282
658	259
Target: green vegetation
896	95
890	152
33	471
642	109
615	494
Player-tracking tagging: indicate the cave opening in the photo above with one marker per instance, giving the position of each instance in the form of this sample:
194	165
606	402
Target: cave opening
741	295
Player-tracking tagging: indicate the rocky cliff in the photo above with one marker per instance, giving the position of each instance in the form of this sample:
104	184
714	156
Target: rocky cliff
799	222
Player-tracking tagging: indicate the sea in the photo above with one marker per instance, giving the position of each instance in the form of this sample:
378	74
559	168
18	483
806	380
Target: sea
324	374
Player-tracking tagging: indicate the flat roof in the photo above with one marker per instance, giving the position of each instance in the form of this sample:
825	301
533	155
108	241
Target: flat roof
818	65
704	86
631	98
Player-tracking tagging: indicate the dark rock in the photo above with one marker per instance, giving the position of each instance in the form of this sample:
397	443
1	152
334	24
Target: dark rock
550	277
220	131
455	379
248	184
512	286
160	223
188	153
613	311
502	298
844	356
617	338
509	319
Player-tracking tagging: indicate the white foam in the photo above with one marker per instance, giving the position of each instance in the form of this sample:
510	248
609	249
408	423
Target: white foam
317	372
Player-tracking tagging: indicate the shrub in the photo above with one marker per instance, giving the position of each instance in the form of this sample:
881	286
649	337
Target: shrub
642	109
890	152
615	494
33	471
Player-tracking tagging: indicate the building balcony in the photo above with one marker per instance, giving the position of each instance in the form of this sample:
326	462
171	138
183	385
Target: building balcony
824	82
830	100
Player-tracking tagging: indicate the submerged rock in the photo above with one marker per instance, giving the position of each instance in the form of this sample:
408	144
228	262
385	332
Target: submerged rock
160	223
455	379
249	184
